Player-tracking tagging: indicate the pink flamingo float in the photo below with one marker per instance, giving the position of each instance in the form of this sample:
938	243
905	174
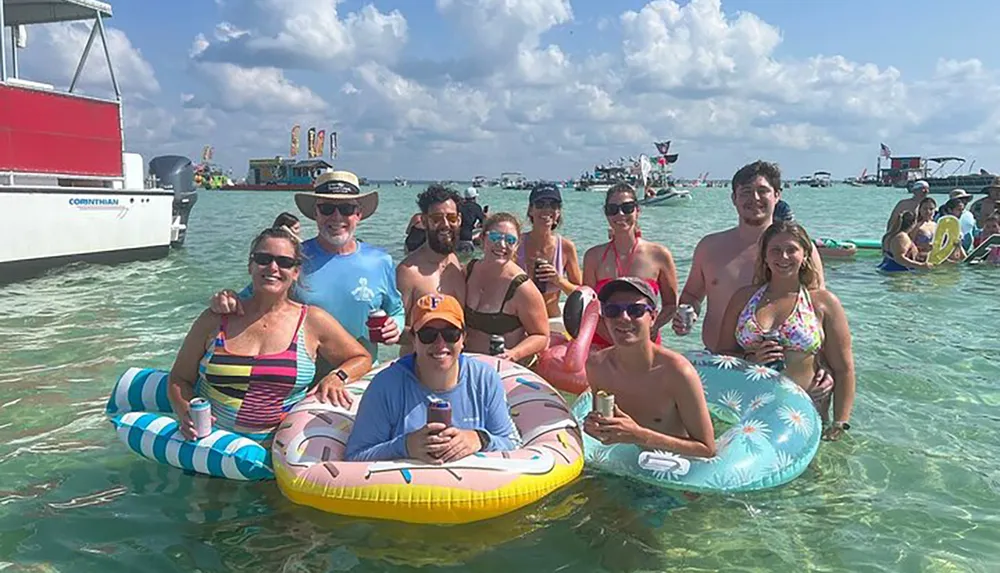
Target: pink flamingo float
563	363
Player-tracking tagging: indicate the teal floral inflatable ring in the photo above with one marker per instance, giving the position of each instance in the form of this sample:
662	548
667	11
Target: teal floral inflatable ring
774	434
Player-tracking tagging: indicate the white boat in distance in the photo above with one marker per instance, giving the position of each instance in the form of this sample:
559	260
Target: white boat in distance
67	187
667	196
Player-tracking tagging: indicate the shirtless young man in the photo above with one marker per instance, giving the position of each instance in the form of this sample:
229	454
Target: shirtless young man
724	262
659	400
920	189
433	267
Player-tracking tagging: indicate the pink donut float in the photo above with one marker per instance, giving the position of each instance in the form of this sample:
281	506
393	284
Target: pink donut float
308	449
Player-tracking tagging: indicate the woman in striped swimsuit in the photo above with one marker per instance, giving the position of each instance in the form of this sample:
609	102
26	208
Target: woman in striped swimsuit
253	367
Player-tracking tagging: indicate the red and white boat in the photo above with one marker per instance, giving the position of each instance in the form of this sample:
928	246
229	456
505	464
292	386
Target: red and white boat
68	190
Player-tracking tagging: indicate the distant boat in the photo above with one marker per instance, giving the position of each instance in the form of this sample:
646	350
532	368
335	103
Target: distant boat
820	179
479	181
400	182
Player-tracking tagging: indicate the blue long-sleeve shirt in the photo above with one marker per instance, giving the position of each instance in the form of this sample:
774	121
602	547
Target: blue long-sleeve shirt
395	404
349	286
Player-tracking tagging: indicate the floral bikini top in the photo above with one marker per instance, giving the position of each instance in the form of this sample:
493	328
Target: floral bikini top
801	331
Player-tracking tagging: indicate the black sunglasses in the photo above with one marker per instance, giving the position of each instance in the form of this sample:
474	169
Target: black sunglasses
450	334
346	209
547	204
626	208
265	259
634	310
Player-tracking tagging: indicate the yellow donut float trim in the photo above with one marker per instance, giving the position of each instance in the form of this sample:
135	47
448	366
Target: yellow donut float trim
308	461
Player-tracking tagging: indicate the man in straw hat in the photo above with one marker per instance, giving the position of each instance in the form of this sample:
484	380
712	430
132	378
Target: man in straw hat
988	205
343	276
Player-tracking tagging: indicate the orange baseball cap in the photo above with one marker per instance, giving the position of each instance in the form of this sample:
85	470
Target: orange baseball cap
438	307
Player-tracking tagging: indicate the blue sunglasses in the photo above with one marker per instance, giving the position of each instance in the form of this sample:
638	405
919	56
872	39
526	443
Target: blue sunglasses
497	236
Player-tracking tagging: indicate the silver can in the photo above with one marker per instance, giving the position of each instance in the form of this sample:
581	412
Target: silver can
605	404
201	415
686	314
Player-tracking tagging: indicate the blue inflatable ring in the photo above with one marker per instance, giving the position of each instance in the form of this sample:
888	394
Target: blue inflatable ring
775	434
138	409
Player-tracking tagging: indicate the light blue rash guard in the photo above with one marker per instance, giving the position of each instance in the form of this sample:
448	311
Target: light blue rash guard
349	286
395	404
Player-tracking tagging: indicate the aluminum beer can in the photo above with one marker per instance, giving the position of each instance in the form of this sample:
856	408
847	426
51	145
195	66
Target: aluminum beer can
605	405
201	415
776	365
497	344
686	313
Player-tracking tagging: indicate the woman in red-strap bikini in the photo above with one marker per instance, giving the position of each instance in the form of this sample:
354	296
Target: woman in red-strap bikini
628	254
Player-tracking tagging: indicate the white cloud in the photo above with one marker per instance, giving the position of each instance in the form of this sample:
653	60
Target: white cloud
303	34
54	50
258	89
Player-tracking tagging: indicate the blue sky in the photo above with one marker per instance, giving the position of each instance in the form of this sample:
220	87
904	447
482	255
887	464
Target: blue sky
453	88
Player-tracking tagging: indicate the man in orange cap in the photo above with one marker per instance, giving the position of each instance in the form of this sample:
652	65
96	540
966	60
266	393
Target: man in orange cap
392	421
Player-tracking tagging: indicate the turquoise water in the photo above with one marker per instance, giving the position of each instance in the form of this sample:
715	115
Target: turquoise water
915	487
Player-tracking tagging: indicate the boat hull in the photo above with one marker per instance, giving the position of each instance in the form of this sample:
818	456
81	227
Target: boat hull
55	226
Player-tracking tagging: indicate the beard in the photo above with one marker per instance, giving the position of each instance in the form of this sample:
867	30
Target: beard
442	242
335	240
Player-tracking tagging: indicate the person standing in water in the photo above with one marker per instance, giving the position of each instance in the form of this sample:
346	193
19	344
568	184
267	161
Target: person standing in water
628	254
809	322
473	216
433	267
557	266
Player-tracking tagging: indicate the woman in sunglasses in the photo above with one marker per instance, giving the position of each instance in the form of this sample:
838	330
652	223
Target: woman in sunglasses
253	367
783	320
392	421
500	299
628	254
549	258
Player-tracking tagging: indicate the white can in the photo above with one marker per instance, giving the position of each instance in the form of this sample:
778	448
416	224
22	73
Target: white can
201	415
686	314
605	404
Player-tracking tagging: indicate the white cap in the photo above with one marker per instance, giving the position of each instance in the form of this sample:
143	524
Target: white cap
920	184
471	193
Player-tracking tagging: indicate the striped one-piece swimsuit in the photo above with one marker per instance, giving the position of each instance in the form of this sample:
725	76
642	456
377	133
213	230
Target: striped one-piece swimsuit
250	395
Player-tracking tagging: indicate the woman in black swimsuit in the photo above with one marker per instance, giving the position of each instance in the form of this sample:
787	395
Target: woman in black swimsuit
499	298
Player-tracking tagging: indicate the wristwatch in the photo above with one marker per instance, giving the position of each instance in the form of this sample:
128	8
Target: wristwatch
484	439
342	375
842	426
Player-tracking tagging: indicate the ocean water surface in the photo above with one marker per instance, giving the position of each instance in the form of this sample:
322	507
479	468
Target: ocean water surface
914	487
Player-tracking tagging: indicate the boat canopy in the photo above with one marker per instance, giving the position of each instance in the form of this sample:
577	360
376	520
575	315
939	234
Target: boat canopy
27	12
945	159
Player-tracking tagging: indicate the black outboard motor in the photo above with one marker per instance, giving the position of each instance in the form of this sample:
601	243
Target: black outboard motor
176	173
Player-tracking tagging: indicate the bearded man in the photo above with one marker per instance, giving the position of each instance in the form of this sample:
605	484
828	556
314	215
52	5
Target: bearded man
433	268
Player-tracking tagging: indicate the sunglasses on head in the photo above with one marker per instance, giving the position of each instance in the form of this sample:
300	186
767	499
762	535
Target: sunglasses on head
626	208
265	259
345	209
547	204
634	310
497	236
450	334
439	218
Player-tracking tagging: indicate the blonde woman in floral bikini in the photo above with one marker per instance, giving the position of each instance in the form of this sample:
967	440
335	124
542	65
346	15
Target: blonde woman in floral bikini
805	323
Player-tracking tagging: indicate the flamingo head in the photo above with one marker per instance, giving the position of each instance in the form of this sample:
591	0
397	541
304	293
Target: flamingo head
577	305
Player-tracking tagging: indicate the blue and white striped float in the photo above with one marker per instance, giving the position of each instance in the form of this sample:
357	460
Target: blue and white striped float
775	434
141	413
